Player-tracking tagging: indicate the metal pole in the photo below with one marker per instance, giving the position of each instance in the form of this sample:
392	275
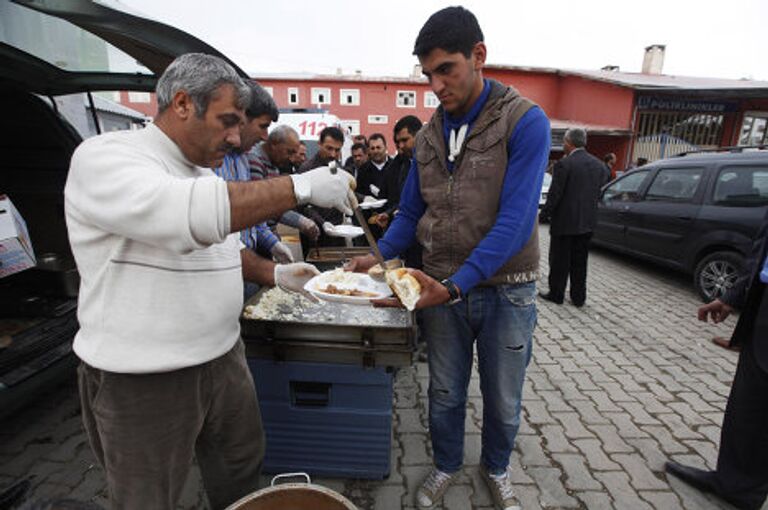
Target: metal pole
93	112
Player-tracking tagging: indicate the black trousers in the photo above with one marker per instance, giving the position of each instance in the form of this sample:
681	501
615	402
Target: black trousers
568	257
742	462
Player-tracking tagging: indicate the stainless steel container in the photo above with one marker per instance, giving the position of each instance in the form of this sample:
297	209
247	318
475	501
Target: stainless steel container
293	496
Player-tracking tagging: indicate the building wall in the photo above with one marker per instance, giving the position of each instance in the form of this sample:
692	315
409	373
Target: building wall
375	99
595	102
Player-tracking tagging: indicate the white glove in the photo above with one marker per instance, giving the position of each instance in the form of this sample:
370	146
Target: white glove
309	228
328	227
293	277
322	188
375	190
281	253
368	198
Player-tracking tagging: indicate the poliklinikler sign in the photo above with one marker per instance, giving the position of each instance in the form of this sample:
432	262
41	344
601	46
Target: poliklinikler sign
674	104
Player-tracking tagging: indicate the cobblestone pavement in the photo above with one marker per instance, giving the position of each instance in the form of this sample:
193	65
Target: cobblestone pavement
613	390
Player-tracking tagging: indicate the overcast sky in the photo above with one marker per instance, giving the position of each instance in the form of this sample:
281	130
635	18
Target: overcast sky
703	37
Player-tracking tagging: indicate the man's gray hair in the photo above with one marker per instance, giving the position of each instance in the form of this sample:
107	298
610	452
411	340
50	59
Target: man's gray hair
281	134
577	137
199	75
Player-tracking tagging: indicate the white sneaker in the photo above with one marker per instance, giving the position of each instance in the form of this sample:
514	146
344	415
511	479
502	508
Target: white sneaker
501	490
432	489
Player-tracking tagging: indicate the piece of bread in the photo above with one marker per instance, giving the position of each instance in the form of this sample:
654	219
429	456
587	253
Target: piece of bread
405	286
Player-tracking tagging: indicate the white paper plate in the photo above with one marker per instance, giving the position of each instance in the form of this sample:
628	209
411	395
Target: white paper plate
345	231
374	204
357	281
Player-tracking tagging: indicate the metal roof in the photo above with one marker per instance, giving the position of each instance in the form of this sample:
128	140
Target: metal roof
637	81
649	82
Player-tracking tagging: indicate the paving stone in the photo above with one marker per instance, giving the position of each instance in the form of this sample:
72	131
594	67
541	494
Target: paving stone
610	438
554	401
574	429
623	494
537	412
640	476
414	449
457	497
472	447
388	497
409	421
553	493
595	456
662	500
555	440
577	477
626	427
532	452
595	500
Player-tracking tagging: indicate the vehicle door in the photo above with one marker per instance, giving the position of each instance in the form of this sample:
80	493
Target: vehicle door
660	224
616	201
737	202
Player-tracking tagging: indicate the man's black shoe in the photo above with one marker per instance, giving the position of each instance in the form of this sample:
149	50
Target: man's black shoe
548	297
702	480
706	481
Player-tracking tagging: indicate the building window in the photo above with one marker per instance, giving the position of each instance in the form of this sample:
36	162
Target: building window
270	91
138	97
406	99
430	100
321	96
378	119
352	127
293	95
349	97
753	129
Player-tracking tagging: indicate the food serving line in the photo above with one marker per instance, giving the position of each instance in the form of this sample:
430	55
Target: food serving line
324	375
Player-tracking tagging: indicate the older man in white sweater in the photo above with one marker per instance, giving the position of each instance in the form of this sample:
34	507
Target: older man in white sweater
155	236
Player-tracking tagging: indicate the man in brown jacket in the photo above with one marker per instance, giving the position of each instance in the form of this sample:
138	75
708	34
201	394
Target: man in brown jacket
471	201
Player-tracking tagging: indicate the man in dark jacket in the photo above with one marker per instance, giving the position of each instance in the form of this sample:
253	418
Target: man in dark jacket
741	475
572	208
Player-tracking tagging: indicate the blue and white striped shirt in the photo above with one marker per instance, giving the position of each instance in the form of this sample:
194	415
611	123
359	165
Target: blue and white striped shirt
235	167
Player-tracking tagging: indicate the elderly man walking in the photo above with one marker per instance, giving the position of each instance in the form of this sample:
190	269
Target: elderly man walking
572	208
154	233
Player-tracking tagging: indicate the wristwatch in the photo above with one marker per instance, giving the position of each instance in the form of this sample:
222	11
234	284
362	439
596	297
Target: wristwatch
453	291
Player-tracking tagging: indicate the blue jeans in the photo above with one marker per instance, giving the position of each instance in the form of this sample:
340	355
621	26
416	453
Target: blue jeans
501	319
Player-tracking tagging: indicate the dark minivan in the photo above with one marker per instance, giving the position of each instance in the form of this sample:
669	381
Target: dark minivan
696	212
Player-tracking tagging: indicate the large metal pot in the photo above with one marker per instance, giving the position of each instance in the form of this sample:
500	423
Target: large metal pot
293	496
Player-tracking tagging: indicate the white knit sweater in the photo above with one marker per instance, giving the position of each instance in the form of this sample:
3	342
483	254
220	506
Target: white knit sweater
161	282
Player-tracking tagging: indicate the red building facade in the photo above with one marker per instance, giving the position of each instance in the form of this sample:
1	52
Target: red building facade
631	114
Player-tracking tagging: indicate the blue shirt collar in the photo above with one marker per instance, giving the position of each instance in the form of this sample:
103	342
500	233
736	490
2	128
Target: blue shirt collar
450	122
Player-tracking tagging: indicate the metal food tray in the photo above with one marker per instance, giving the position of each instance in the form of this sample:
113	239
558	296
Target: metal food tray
291	328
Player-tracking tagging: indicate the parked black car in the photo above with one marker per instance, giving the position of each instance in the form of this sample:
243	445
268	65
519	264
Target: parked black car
51	48
696	212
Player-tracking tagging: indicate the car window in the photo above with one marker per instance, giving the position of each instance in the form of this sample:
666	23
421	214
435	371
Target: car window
675	184
626	188
62	43
742	186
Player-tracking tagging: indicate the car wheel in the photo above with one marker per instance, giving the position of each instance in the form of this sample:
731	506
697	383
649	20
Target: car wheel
716	273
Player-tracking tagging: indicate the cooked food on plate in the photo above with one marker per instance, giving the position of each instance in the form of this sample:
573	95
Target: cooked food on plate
332	289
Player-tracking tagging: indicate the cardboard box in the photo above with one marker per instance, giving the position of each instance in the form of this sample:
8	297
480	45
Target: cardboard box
16	252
